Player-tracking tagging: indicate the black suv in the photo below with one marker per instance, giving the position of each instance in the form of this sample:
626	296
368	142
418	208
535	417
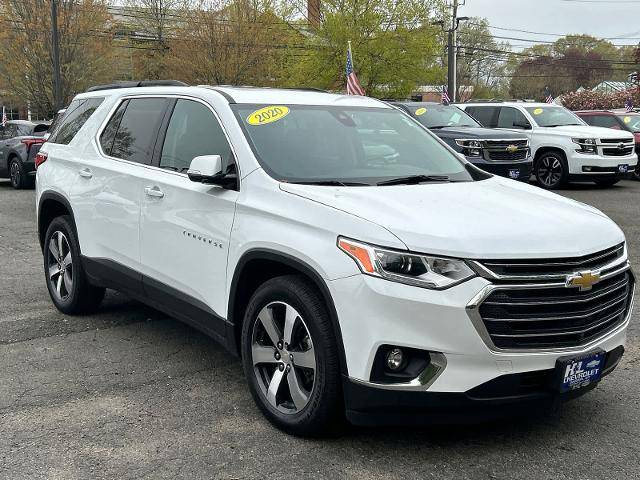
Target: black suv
504	153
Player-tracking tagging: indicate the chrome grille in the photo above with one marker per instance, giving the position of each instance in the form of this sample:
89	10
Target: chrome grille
618	152
616	140
531	306
556	317
546	268
498	150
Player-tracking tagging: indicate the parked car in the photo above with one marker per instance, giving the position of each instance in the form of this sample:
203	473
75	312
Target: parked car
564	148
618	120
495	151
19	141
377	274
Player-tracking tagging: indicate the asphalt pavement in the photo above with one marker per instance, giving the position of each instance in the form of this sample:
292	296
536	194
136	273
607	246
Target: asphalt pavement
131	393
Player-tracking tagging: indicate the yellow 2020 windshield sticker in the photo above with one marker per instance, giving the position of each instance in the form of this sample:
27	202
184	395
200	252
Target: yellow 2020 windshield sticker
269	114
627	119
538	111
421	111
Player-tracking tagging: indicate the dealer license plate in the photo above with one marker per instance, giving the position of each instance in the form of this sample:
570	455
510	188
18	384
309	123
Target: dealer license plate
623	168
514	174
580	371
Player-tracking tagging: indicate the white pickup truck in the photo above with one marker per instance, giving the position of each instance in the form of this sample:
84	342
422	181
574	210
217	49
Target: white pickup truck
563	146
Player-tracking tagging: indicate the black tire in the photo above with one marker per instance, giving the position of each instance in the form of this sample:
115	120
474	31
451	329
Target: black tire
69	289
609	182
551	170
636	173
323	412
17	174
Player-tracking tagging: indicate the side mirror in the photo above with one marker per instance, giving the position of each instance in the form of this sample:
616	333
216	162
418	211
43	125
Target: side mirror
522	126
207	169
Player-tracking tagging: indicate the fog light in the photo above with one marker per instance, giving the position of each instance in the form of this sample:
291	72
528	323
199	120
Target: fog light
395	359
586	169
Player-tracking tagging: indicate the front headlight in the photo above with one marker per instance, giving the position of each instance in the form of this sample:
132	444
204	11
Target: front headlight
587	145
419	270
471	148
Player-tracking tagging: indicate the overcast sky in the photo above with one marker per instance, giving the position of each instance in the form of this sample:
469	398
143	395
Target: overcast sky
600	18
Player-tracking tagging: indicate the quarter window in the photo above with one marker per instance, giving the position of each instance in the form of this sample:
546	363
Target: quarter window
193	131
131	131
75	117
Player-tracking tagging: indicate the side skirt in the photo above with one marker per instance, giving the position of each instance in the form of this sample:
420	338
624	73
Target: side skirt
109	274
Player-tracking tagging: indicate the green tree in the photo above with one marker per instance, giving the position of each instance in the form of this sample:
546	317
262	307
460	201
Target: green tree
394	46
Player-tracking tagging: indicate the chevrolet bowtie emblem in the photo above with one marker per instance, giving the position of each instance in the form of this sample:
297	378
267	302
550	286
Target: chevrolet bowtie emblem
583	280
512	149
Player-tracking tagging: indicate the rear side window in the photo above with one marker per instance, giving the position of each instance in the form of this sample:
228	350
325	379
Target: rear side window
75	117
131	132
487	116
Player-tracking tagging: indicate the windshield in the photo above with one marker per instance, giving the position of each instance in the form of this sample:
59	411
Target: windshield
632	122
553	116
345	145
437	116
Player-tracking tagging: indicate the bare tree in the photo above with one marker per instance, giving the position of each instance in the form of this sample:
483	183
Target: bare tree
26	56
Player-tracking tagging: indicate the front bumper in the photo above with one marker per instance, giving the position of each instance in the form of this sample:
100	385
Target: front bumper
389	313
506	395
520	170
596	166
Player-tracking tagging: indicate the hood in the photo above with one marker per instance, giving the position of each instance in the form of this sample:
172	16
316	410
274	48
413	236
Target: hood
476	132
495	218
585	131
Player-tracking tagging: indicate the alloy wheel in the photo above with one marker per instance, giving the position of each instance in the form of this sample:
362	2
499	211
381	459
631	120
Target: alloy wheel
283	357
15	174
549	171
60	263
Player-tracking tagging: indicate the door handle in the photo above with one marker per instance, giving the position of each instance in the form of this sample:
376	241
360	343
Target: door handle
85	173
154	192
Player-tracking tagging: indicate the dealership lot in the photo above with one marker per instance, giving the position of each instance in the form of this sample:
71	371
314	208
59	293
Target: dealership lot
131	393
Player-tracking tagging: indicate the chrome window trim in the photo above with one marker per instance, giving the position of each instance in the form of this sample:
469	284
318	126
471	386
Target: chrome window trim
485	272
98	146
473	313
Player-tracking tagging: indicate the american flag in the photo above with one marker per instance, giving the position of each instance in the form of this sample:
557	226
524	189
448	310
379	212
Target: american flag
629	105
445	96
547	94
353	85
4	117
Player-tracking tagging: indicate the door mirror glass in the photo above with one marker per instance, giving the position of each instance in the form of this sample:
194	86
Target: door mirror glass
206	169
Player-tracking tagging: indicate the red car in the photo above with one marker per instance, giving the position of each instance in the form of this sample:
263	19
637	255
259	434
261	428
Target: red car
618	119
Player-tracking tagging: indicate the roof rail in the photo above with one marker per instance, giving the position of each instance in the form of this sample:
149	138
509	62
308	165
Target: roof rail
141	83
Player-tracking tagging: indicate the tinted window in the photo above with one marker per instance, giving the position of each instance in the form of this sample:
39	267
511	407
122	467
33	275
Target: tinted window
109	133
136	131
193	131
631	122
487	116
24	130
553	116
75	117
301	143
434	116
10	131
512	118
607	121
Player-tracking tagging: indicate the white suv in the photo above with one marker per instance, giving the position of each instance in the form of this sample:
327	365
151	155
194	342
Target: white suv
350	257
563	146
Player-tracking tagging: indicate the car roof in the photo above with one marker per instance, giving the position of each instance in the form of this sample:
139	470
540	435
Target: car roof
508	104
411	103
251	95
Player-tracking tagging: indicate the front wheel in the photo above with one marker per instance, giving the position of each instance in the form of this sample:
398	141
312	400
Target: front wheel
67	283
551	170
290	356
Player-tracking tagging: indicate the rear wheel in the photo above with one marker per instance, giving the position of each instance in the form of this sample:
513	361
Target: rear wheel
290	356
17	175
551	170
68	286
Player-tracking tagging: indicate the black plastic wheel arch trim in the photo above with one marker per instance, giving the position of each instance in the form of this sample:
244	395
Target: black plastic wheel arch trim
296	264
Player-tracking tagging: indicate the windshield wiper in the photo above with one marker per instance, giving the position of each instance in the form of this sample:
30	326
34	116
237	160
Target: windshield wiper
332	183
437	127
414	179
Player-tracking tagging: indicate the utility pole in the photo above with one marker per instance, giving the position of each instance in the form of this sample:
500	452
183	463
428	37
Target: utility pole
452	50
55	45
